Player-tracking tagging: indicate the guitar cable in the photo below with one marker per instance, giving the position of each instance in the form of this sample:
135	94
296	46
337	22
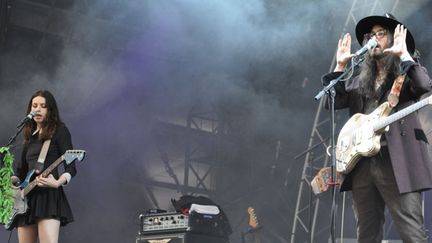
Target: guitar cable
10	235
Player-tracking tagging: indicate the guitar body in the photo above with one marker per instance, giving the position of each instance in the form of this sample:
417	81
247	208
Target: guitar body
20	207
358	138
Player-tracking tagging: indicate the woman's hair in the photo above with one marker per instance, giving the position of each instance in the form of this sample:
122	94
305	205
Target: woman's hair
369	71
51	122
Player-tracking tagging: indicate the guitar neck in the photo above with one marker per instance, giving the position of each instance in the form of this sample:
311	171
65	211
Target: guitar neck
385	121
45	173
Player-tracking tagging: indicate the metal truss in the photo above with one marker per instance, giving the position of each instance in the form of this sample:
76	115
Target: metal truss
307	211
201	154
201	139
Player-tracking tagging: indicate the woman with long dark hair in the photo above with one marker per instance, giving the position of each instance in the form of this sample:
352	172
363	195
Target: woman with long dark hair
48	205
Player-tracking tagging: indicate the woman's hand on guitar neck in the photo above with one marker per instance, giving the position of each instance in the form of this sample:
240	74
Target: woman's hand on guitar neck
49	181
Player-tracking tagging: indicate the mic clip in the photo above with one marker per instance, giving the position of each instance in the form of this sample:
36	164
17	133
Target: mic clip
26	119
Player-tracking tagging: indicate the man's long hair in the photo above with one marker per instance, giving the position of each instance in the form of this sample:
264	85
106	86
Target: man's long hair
369	72
52	120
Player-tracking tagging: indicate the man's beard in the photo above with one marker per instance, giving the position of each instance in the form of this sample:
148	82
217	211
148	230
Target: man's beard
378	55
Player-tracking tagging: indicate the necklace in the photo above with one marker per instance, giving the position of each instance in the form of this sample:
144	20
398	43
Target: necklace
379	81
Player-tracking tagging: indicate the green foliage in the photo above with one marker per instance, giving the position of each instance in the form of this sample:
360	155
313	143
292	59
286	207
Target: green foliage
6	194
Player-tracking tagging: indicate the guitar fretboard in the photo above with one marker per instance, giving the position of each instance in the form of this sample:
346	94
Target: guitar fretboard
385	121
46	172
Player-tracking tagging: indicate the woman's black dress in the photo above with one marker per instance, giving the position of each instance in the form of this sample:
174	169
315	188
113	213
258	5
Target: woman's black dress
46	203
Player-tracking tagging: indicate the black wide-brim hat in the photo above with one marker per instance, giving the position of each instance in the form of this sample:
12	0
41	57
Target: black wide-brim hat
389	21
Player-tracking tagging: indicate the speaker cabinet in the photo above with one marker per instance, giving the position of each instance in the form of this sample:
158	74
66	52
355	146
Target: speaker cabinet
186	237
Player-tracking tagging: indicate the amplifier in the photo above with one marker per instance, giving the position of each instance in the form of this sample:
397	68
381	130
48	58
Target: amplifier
163	222
186	237
173	222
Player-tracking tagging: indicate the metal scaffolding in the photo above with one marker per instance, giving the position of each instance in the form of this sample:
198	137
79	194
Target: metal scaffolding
307	209
200	136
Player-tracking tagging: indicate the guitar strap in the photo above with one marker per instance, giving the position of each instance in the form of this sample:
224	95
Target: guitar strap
393	97
323	180
42	156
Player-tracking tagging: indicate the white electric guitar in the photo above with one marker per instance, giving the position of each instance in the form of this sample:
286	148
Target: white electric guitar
20	200
361	135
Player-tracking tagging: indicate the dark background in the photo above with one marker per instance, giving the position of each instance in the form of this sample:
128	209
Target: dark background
132	77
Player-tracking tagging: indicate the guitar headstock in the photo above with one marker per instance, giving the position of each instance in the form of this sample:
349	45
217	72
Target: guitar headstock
253	220
73	154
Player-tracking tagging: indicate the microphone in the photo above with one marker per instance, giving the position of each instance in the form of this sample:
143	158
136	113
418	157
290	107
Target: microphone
27	118
369	45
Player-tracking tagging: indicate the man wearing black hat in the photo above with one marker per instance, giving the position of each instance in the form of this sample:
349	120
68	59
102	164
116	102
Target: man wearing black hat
396	176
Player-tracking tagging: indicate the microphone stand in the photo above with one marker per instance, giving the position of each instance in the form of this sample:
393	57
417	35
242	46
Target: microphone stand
331	92
18	130
20	127
12	139
249	231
